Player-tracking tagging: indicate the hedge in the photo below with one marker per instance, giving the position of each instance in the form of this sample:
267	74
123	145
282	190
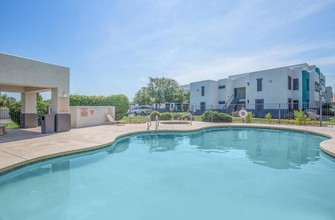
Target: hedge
120	102
15	111
215	116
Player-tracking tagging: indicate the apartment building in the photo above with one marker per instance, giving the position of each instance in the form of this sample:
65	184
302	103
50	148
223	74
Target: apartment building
290	87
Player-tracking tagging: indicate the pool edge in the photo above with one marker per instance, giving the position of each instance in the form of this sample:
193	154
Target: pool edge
326	146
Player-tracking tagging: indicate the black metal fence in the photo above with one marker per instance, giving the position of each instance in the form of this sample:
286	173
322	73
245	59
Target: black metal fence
317	114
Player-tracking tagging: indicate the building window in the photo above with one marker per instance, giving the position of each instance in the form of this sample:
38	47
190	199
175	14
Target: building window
222	87
317	87
289	83
289	104
295	84
203	106
222	102
259	105
202	90
259	84
295	104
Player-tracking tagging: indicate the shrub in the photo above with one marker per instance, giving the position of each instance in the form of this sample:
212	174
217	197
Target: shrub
15	111
165	116
235	114
187	116
300	117
268	117
177	115
120	102
248	117
153	115
312	114
216	116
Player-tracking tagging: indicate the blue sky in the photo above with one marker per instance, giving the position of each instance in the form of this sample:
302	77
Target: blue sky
113	47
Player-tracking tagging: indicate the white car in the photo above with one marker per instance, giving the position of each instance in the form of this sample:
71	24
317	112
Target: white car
140	110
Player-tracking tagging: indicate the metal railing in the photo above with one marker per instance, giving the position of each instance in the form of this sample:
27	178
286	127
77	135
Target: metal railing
316	114
156	122
148	122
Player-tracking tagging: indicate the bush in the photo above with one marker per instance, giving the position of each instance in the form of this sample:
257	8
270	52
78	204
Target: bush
165	116
216	116
177	115
300	117
153	115
235	114
312	114
187	116
15	111
268	117
120	102
248	117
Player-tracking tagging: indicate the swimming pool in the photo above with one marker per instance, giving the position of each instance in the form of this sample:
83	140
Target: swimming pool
226	173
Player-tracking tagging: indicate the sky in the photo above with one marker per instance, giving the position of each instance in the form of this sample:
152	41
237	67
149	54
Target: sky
114	46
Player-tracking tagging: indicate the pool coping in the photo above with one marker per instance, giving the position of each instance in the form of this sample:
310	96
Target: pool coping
327	146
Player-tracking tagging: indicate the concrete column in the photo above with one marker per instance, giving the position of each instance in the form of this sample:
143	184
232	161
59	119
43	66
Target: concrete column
54	101
28	102
29	117
60	105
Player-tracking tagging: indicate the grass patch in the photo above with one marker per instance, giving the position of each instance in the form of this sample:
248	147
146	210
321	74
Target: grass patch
135	119
143	119
11	125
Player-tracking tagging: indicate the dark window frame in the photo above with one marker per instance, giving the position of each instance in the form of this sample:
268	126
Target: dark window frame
222	87
295	104
289	104
317	87
259	84
202	90
259	105
296	84
202	106
289	82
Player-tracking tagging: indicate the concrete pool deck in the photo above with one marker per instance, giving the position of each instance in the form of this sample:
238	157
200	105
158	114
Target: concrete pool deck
23	146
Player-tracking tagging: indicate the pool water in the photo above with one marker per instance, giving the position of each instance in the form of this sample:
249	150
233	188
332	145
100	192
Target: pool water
209	174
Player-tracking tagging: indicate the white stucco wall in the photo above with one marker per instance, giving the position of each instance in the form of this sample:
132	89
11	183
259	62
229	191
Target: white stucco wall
210	97
274	86
23	75
85	116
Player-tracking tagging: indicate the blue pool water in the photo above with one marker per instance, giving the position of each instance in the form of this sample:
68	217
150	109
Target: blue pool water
210	174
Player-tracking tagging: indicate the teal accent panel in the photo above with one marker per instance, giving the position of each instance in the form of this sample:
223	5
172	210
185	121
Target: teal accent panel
305	88
317	69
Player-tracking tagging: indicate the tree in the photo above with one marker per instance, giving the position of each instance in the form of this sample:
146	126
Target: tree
6	100
158	91
142	97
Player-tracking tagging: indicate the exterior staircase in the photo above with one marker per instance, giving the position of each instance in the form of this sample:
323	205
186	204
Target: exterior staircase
230	105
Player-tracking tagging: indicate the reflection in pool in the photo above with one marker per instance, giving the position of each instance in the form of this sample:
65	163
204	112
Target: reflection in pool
209	174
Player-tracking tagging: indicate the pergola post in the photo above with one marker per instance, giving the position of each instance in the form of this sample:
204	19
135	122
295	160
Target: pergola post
28	117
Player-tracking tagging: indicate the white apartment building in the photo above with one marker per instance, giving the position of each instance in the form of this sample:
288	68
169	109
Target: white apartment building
287	88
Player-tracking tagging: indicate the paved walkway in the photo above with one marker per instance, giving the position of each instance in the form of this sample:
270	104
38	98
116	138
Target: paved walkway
23	146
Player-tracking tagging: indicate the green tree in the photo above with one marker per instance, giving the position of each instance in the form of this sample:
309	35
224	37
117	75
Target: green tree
159	91
6	100
142	97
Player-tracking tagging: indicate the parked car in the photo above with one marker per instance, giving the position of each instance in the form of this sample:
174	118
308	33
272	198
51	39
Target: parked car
140	110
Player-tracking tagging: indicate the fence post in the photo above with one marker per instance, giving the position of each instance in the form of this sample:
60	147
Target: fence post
279	116
320	113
